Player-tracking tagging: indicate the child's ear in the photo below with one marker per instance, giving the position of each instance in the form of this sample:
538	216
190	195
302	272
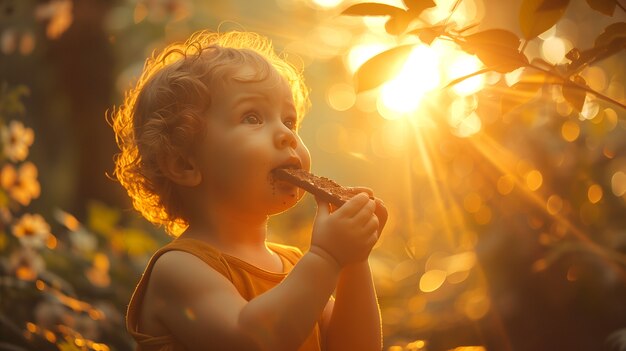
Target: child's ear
180	169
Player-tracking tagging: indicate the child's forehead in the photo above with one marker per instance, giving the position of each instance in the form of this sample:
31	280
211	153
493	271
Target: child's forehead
250	74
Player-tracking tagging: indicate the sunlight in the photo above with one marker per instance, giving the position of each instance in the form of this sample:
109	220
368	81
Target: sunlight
419	75
328	4
463	65
362	52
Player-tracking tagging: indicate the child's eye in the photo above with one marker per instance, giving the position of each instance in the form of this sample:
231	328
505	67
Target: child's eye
291	123
251	119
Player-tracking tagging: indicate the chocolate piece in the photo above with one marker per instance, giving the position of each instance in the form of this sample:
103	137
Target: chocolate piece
324	188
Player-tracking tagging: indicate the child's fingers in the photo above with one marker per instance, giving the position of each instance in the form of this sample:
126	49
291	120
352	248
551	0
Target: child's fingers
366	212
353	206
381	213
372	225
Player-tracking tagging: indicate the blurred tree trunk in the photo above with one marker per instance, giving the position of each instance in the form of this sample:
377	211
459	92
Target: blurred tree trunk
84	60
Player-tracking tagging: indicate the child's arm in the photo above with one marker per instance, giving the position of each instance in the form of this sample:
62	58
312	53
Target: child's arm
352	321
201	307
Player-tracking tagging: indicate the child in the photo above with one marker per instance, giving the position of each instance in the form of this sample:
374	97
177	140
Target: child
199	137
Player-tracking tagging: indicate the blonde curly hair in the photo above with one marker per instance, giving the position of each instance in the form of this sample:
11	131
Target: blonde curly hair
165	112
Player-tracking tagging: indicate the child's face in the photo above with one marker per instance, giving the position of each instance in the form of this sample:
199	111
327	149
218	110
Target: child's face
250	132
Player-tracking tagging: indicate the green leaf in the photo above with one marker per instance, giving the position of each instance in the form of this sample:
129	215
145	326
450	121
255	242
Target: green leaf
496	48
372	9
381	67
573	93
416	7
606	7
428	34
615	31
534	20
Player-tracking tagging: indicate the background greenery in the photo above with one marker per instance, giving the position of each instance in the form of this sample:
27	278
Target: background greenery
507	201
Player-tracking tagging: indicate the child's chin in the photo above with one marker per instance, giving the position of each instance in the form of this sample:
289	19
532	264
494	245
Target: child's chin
284	203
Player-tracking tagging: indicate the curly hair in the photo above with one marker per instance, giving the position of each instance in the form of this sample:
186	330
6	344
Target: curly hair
165	112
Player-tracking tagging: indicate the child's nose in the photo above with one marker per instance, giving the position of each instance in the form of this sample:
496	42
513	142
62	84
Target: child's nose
285	137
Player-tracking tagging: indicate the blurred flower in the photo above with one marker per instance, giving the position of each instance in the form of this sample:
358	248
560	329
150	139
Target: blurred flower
26	264
8	41
59	12
27	43
15	141
5	216
32	230
22	185
98	274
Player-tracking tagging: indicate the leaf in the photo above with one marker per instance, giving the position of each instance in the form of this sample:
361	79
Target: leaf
428	34
494	36
497	49
615	31
574	94
548	5
372	9
606	7
610	42
381	67
396	25
416	7
460	79
534	20
588	57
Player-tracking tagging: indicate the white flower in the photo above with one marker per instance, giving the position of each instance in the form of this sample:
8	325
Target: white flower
16	139
32	230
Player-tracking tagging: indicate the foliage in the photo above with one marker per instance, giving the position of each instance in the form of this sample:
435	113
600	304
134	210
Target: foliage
57	289
511	185
498	49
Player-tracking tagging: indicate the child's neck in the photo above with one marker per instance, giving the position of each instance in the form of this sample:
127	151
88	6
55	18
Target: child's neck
229	232
236	236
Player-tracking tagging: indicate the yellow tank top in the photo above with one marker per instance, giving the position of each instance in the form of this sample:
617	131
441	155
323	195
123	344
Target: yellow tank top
249	280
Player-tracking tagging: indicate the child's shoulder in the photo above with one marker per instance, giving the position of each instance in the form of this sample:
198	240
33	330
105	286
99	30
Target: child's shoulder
292	253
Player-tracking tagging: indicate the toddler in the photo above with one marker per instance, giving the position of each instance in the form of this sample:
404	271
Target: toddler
200	134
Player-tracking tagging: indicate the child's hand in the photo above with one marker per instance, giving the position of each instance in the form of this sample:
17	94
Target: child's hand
348	233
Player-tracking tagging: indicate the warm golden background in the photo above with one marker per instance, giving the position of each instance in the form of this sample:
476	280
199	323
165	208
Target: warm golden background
507	231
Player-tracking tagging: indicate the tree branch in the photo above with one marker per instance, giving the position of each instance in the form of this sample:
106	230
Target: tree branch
581	87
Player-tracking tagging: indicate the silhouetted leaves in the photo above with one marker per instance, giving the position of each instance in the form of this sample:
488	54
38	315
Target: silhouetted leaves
381	67
610	42
497	49
606	7
428	34
372	9
548	5
416	7
397	24
537	16
615	31
573	93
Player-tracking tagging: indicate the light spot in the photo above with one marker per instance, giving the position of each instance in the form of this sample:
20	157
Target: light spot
595	193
